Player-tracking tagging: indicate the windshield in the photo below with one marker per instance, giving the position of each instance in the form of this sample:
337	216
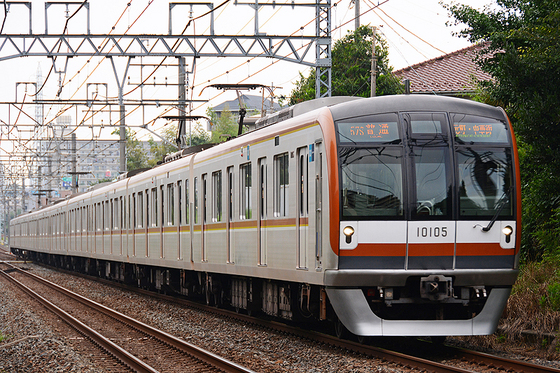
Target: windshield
433	186
485	182
371	182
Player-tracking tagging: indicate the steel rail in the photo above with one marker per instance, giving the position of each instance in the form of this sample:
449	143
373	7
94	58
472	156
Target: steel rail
499	362
190	349
122	355
387	355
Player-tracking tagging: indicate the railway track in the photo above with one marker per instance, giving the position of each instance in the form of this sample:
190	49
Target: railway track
139	347
419	356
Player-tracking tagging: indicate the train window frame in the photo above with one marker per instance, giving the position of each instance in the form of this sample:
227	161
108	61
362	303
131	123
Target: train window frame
195	208
429	209
351	213
180	202
410	118
217	183
507	191
281	184
245	194
154	207
170	204
162	205
187	203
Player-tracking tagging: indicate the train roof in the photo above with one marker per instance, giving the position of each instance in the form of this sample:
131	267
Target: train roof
418	103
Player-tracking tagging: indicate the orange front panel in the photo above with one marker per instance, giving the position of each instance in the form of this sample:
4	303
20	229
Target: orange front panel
482	249
431	249
373	249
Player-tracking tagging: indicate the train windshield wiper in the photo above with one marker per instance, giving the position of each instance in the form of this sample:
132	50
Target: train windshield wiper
503	201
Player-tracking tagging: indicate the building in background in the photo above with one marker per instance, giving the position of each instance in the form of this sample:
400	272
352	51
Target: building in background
453	74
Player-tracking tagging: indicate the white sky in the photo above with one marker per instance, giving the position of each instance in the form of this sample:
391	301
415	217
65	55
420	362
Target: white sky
403	23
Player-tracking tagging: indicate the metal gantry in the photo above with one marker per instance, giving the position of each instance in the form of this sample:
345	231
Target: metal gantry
60	47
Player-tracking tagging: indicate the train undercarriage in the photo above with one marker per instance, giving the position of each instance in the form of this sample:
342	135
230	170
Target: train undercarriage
278	299
285	300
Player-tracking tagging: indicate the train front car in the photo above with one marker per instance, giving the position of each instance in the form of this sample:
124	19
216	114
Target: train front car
426	218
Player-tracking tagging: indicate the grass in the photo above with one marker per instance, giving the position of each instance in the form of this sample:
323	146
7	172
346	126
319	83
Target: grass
534	305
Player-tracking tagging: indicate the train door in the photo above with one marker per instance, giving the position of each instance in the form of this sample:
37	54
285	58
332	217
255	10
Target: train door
261	212
318	205
431	230
229	215
302	219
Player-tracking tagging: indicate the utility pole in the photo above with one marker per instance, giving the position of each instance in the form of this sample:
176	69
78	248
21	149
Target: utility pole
181	131
373	65
74	175
356	14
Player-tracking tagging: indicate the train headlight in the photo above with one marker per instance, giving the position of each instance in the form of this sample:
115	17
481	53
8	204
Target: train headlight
507	231
348	232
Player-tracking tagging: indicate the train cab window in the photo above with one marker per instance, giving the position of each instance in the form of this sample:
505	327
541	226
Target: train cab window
433	182
245	191
281	184
371	182
427	125
217	194
485	182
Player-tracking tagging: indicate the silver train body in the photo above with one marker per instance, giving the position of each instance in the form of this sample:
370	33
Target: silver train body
395	215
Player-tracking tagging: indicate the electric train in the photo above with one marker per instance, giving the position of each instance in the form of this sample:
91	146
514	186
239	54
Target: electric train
389	216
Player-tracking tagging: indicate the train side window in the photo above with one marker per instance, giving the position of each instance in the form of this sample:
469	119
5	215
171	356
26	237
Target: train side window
281	184
133	212
122	212
154	218
170	205
230	192
187	202
204	199
196	200
108	215
245	191
148	208
180	200
140	210
162	206
217	200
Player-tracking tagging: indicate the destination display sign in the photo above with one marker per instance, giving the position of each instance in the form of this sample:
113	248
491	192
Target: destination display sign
473	129
367	132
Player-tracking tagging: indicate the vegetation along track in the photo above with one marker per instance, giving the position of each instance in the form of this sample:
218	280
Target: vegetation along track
151	350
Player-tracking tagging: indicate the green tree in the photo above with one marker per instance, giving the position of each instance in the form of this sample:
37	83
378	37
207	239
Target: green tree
223	126
136	157
351	69
522	53
199	135
159	149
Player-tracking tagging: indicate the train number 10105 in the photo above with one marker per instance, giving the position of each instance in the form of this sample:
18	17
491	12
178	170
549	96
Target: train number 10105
431	232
